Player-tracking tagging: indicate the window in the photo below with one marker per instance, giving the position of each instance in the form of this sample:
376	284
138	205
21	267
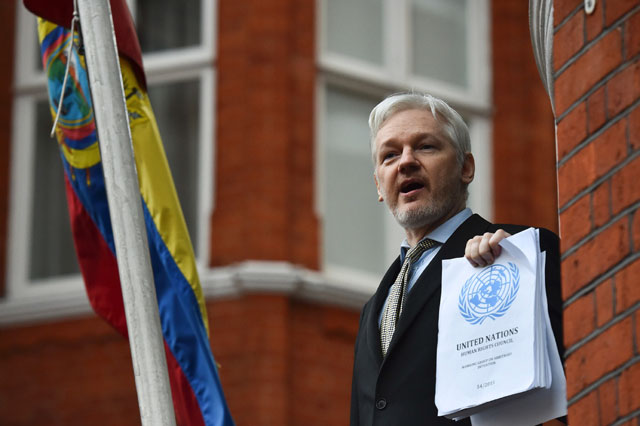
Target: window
177	40
367	50
349	185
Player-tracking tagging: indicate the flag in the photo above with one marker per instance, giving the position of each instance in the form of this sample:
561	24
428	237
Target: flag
195	385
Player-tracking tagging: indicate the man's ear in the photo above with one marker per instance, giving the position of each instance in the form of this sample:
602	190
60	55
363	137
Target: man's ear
375	179
468	169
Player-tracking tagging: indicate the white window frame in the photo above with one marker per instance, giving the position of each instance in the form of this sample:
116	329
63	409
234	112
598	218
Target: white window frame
26	299
395	72
473	102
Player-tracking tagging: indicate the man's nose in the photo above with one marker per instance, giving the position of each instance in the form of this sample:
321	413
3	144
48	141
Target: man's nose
408	160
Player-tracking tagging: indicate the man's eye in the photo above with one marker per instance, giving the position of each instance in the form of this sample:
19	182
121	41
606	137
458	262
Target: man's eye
426	146
388	156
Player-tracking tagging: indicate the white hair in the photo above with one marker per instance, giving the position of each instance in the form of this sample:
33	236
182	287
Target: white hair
452	123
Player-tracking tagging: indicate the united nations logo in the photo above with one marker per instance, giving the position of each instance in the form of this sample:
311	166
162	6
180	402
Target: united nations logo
489	293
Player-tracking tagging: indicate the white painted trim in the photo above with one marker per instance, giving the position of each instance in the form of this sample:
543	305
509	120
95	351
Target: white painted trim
403	36
457	97
320	160
321	18
396	38
38	308
479	52
340	64
373	88
209	23
347	69
25	66
206	165
394	235
20	197
34	86
232	281
481	189
176	61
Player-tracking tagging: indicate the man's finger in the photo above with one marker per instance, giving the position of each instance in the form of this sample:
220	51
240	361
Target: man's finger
495	239
471	251
484	249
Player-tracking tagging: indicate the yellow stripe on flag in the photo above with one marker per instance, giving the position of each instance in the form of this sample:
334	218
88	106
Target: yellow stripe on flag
156	184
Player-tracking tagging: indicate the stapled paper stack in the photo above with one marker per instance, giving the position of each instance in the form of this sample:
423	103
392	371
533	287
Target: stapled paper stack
496	358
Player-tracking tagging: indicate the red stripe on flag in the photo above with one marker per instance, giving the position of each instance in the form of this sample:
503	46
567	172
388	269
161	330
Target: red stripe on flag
184	400
100	273
97	263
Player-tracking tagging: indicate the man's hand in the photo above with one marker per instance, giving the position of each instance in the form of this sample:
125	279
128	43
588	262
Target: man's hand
482	250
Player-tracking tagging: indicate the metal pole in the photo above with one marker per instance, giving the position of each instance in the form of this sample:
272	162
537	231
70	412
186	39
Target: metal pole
123	194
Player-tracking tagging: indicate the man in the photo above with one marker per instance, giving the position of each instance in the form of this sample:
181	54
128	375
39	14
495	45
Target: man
423	165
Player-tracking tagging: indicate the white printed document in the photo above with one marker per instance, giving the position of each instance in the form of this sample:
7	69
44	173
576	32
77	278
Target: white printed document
496	357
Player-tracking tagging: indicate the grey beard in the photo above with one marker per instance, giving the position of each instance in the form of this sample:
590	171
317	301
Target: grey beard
426	215
418	218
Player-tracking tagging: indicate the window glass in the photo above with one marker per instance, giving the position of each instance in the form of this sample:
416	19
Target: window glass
175	106
354	221
354	28
439	34
168	24
51	247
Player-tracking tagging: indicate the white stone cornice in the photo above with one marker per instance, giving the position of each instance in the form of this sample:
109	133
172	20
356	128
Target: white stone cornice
217	283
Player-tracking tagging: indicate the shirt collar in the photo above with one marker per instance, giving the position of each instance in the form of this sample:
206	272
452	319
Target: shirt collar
442	233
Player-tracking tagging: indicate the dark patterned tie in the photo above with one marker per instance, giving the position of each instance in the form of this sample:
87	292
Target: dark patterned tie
398	292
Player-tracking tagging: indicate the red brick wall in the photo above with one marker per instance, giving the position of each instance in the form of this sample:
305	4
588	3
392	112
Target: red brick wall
7	30
284	362
264	135
597	91
66	373
523	151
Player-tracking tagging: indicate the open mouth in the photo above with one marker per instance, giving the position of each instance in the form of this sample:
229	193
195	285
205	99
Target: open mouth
410	187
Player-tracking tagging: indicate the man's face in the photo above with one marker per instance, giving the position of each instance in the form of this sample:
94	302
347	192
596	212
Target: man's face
416	170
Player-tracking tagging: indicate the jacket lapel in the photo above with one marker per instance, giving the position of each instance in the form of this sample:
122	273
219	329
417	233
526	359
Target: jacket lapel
430	280
377	302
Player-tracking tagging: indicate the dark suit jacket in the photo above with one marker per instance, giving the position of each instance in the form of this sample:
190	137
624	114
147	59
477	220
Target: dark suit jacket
400	389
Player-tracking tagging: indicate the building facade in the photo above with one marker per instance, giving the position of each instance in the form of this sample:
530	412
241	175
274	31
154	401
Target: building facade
262	106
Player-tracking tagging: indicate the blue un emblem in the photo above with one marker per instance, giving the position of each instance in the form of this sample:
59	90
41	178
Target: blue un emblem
489	293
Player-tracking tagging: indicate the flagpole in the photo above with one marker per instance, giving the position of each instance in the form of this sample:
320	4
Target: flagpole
127	221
